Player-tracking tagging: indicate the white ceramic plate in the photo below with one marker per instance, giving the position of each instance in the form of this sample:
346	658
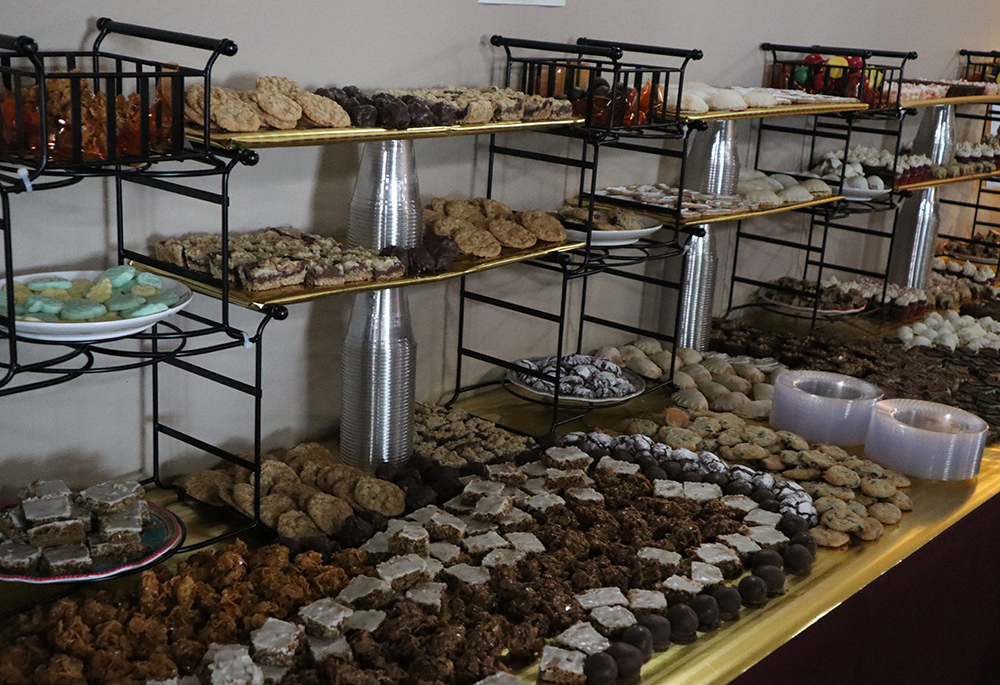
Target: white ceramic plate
617	238
863	194
808	310
518	385
89	331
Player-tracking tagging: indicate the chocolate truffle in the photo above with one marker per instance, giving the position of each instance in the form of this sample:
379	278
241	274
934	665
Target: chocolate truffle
765	556
684	623
774	577
655	473
355	531
729	601
363	116
672	468
806	540
798	560
445	113
738	487
629	660
761	494
792	524
753	590
601	669
719	479
772	505
420	496
659	628
420	112
640	637
707	609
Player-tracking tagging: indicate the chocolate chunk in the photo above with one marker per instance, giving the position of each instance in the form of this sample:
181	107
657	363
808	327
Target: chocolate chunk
806	540
601	669
684	623
738	487
753	590
774	577
420	112
792	524
798	560
707	608
629	660
445	113
764	556
729	601
640	637
420	496
659	628
355	531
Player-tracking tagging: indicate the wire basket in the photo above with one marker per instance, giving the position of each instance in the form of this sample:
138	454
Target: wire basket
872	76
981	65
77	113
611	94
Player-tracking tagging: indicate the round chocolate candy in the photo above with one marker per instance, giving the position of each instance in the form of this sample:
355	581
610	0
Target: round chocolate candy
798	560
753	591
655	473
773	576
719	479
647	461
792	524
659	628
707	608
672	468
352	92
684	623
729	601
738	487
761	494
806	540
363	116
392	114
771	505
420	112
601	669
629	660
640	637
765	556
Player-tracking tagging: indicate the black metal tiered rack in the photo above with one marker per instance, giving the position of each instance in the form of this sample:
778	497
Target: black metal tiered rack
67	116
625	105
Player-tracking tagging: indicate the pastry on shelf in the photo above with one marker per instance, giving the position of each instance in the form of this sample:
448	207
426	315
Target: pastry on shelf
482	227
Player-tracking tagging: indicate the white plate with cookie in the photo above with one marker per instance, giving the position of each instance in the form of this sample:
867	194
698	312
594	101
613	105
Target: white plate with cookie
605	238
91	331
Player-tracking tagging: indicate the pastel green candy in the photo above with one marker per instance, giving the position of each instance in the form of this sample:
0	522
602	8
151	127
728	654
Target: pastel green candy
122	301
80	310
118	275
126	286
149	279
43	317
168	298
47	305
46	282
145	310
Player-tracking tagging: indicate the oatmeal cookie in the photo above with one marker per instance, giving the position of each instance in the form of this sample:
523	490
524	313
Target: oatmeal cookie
328	477
243	497
273	506
321	111
448	225
204	486
278	105
297	524
460	209
310	471
328	512
297	490
228	110
825	537
279	84
379	495
477	242
273	472
265	119
511	234
492	209
545	226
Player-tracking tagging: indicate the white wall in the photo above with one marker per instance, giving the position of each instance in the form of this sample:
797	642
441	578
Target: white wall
98	426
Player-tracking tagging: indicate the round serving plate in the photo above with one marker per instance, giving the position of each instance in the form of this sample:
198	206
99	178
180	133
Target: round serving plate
516	384
967	258
807	310
599	238
164	534
91	331
865	195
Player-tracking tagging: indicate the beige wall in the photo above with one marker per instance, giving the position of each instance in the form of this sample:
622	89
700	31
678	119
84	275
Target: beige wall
98	426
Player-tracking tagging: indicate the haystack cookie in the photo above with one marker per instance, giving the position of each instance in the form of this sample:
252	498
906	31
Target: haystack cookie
477	242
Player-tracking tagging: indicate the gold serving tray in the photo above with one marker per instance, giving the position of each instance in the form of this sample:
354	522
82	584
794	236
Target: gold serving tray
779	111
670	221
948	181
966	100
722	655
328	136
462	266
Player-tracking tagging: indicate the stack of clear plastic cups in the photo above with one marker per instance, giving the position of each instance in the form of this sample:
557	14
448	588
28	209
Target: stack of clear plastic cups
822	407
379	357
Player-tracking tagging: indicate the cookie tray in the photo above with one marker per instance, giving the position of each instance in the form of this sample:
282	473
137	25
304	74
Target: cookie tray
723	654
327	136
462	266
778	111
947	181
